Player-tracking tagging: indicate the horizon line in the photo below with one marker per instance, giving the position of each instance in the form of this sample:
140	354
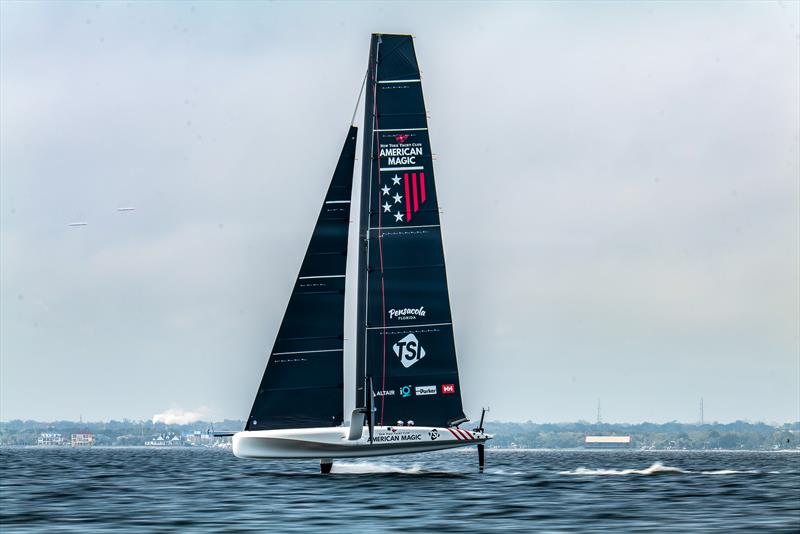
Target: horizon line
580	421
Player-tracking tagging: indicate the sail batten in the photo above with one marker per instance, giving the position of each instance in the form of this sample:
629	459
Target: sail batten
303	384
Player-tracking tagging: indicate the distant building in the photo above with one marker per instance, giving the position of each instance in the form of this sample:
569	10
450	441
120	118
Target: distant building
50	439
607	442
157	441
197	437
165	440
82	439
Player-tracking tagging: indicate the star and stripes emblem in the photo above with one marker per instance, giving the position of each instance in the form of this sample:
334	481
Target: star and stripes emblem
403	195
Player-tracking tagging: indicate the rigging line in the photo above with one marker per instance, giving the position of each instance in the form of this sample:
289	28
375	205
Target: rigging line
380	217
361	92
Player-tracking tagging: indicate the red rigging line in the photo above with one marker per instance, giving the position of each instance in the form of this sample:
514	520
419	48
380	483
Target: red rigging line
380	228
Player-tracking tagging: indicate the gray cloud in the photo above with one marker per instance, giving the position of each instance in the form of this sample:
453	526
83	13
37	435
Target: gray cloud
620	184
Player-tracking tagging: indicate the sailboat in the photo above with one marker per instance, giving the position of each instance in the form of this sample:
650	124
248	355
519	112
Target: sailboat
399	391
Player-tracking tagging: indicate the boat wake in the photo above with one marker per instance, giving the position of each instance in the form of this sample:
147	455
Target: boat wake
363	468
656	469
504	472
735	472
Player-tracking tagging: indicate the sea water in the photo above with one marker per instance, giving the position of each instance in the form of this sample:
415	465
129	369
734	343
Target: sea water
202	490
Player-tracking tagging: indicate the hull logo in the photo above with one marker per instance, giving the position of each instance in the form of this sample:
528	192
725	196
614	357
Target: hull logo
425	390
405	391
433	434
448	389
408	350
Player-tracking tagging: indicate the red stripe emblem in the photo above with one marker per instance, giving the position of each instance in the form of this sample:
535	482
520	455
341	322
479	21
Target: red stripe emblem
414	183
456	435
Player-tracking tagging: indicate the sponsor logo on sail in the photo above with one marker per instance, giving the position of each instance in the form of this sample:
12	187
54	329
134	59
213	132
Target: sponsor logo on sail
425	390
433	434
448	389
401	138
408	350
405	391
401	155
385	393
405	314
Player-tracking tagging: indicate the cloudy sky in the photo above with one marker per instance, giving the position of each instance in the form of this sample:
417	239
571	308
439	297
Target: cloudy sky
620	186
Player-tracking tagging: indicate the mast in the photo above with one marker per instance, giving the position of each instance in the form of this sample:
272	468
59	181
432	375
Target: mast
405	337
364	218
302	386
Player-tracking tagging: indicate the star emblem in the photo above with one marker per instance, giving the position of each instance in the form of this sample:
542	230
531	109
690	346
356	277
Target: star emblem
387	207
396	180
398	217
385	189
397	198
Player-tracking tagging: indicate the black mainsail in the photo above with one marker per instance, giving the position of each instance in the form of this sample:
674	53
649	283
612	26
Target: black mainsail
302	386
404	327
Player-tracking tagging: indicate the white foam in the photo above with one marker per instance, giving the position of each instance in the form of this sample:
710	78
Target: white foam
730	472
654	469
504	472
362	468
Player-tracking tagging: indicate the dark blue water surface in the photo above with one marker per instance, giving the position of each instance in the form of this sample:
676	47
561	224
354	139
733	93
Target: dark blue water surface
201	490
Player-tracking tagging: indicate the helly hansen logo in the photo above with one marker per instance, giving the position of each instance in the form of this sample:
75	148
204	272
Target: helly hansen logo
448	389
408	350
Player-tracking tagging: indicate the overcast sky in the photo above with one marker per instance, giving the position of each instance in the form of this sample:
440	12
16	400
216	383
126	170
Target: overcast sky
620	186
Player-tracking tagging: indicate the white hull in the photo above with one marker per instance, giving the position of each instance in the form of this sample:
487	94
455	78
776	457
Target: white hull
333	442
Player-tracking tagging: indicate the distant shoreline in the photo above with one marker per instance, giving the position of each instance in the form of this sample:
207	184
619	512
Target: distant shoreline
737	436
453	451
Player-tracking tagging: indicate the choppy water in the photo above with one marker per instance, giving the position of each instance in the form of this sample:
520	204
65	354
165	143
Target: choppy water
201	490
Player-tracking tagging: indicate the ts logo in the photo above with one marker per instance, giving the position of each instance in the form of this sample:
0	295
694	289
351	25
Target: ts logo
408	350
433	434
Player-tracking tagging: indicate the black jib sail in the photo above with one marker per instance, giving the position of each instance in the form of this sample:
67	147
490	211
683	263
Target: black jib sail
302	386
405	333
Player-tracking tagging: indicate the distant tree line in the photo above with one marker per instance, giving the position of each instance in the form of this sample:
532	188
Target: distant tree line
123	433
672	435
